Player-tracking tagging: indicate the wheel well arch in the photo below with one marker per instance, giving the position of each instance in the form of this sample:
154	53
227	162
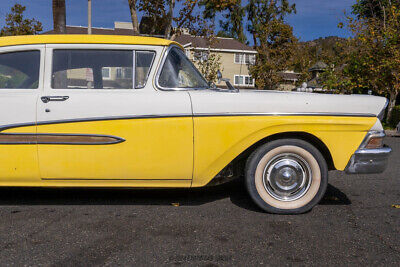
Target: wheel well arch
310	138
237	165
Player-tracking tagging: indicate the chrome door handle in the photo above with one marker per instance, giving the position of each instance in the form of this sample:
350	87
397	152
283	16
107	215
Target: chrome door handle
47	99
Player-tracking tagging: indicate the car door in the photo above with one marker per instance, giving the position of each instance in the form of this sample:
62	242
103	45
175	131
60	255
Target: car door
21	69
99	117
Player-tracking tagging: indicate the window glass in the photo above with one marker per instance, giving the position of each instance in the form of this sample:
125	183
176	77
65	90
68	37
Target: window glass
144	60
20	70
179	72
92	69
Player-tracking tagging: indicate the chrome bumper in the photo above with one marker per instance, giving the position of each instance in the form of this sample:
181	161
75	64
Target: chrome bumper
369	160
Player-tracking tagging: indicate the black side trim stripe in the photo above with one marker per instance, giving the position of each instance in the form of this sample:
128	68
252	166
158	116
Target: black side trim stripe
95	139
17	125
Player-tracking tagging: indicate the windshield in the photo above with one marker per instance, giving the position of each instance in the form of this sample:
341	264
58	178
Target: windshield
179	72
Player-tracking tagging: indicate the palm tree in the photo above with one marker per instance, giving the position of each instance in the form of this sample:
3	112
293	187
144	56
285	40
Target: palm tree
59	17
135	22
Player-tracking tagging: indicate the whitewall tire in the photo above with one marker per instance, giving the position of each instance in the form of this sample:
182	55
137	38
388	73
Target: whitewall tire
286	176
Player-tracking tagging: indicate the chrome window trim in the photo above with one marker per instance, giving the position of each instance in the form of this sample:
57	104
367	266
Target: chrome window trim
150	68
164	58
41	65
98	49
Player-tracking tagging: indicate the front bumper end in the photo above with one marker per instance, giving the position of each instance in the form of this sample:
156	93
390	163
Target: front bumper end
369	161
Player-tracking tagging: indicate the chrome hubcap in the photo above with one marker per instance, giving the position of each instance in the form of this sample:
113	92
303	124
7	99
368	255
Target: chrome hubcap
287	177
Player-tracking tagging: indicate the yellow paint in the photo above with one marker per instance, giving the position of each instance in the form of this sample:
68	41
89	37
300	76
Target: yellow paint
160	152
83	39
18	163
218	140
154	149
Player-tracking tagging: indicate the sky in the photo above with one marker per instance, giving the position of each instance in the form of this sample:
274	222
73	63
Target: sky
314	18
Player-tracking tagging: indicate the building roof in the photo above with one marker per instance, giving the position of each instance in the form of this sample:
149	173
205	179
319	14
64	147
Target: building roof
290	76
319	66
83	39
219	43
96	30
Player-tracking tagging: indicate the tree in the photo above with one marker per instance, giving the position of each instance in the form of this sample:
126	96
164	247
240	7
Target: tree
232	11
273	39
262	12
275	53
375	62
209	62
59	17
134	17
16	24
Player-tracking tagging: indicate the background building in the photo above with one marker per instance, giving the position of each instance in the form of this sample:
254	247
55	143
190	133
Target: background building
236	57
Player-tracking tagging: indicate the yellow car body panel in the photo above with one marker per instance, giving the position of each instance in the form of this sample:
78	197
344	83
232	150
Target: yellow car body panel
158	152
154	149
218	140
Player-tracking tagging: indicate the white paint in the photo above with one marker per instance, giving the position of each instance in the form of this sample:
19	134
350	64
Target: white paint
257	101
95	103
19	105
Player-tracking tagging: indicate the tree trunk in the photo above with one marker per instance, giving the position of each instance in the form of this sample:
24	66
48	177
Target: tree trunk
392	103
169	21
59	17
135	22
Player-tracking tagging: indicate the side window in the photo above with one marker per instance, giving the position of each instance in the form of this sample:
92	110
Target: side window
179	72
19	70
92	69
144	61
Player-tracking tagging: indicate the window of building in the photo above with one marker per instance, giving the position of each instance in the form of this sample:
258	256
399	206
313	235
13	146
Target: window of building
187	53
243	80
144	61
106	73
118	74
200	56
242	58
15	73
87	69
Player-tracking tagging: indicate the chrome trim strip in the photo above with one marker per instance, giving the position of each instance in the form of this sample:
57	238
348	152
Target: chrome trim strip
284	114
368	161
135	66
375	151
33	139
133	117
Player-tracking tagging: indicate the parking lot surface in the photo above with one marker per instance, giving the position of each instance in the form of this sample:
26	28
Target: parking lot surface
356	223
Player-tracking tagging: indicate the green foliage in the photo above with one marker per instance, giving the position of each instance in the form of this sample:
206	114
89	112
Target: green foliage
275	53
374	61
395	118
16	24
262	12
372	8
210	66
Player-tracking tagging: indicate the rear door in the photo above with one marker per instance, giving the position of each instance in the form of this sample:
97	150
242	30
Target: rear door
21	69
99	117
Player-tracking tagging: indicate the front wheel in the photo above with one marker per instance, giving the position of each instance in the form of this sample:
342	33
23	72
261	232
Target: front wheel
286	176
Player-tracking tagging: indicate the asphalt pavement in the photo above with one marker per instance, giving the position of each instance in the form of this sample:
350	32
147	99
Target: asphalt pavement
357	223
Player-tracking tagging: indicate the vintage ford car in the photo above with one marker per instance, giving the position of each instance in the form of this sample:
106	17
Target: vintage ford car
124	111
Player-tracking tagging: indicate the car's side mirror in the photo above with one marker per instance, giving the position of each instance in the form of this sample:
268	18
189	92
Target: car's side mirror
219	76
228	83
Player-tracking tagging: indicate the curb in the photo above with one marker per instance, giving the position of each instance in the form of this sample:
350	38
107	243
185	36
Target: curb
392	133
